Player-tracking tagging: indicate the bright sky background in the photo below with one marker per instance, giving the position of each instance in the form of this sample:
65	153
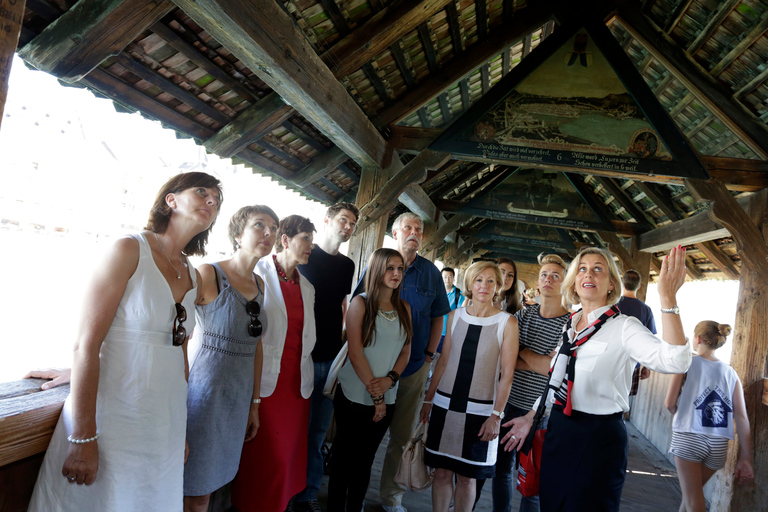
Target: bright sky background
71	161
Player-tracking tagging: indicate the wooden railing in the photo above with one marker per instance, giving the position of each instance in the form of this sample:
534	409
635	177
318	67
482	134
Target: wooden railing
28	417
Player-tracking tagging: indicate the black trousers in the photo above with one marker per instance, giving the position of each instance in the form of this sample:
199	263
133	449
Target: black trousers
583	462
354	449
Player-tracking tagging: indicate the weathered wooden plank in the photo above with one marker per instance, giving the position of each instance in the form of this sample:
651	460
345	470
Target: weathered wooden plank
402	64
201	61
416	200
692	230
411	139
414	172
527	20
171	88
729	111
452	224
265	38
90	32
264	164
337	16
125	94
331	186
279	152
445	109
320	166
348	173
11	21
28	417
481	19
721	260
377	82
750	345
304	136
455	28
724	210
250	125
624	200
381	31
424	118
429	48
662	200
723	10
676	15
746	40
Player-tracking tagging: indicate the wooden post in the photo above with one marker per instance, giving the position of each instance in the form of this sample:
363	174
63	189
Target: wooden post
11	17
428	252
750	346
449	258
370	238
642	262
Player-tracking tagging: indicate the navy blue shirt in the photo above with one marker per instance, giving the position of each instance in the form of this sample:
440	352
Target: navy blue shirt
638	309
424	290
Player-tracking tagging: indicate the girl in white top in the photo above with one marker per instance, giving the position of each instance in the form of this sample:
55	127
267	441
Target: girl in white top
710	403
379	333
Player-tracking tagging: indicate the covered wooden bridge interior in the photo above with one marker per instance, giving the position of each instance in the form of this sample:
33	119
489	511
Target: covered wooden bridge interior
454	109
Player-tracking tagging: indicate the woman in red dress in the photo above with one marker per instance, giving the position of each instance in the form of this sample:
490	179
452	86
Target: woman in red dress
273	466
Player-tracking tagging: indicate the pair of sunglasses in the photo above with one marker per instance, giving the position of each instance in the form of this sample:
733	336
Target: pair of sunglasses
253	309
179	332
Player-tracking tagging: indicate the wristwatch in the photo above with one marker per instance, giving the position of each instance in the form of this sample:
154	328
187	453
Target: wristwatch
500	414
429	354
674	310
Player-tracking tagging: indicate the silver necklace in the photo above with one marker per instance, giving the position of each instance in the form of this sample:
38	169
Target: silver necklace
178	270
388	315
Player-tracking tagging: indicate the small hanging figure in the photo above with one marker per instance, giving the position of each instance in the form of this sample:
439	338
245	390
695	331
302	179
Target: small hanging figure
579	52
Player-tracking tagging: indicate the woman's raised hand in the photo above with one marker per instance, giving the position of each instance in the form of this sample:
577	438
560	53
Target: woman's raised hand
672	273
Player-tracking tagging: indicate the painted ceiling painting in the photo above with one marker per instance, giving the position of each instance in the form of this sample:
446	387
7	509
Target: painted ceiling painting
578	103
537	196
533	235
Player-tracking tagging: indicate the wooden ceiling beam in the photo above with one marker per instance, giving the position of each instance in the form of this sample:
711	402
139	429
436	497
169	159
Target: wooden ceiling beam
473	169
739	180
747	41
662	200
445	109
320	166
729	111
90	32
416	200
303	136
377	83
455	28
452	224
384	29
126	95
337	16
677	15
692	270
720	259
481	19
429	49
723	10
266	40
414	171
411	139
692	230
524	22
624	200
280	150
344	168
193	54
158	80
724	209
397	52
250	125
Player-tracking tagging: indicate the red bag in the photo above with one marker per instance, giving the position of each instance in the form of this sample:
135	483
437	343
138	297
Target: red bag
530	465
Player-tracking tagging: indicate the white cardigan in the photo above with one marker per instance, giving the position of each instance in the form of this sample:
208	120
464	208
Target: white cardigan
273	340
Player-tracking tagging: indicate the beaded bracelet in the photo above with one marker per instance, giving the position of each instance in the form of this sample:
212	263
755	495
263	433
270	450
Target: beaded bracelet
377	399
394	376
82	441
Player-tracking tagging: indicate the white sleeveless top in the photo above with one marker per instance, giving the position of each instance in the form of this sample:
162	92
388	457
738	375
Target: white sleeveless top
705	405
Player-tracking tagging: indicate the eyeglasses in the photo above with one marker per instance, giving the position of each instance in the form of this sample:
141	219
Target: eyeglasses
253	309
179	332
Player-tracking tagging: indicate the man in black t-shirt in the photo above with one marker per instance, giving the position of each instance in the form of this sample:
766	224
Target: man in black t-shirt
331	273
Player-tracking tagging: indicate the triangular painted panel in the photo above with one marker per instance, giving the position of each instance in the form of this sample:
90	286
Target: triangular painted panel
576	101
541	197
540	237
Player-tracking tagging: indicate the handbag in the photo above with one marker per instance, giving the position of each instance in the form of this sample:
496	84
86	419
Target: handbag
530	466
332	380
412	473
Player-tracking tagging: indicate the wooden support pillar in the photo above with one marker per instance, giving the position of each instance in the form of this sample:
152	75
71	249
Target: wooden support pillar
11	17
642	263
428	252
750	348
367	240
449	258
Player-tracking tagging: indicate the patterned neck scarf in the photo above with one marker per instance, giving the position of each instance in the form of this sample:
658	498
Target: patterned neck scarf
564	369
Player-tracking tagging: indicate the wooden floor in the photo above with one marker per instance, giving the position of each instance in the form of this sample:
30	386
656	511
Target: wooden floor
651	484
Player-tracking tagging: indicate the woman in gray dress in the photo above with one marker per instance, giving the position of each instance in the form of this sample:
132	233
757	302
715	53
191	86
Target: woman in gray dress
225	370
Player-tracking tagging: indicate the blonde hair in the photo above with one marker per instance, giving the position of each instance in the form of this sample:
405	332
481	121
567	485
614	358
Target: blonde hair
569	292
551	259
475	270
712	333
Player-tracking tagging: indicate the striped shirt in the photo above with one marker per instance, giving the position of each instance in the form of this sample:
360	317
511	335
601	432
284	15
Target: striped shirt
541	336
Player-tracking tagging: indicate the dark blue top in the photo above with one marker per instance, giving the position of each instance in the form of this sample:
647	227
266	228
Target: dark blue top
424	290
638	309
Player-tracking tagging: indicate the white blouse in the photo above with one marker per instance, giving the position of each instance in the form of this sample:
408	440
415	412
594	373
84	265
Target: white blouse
604	364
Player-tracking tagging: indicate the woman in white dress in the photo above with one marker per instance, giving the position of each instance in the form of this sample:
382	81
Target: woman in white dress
122	429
